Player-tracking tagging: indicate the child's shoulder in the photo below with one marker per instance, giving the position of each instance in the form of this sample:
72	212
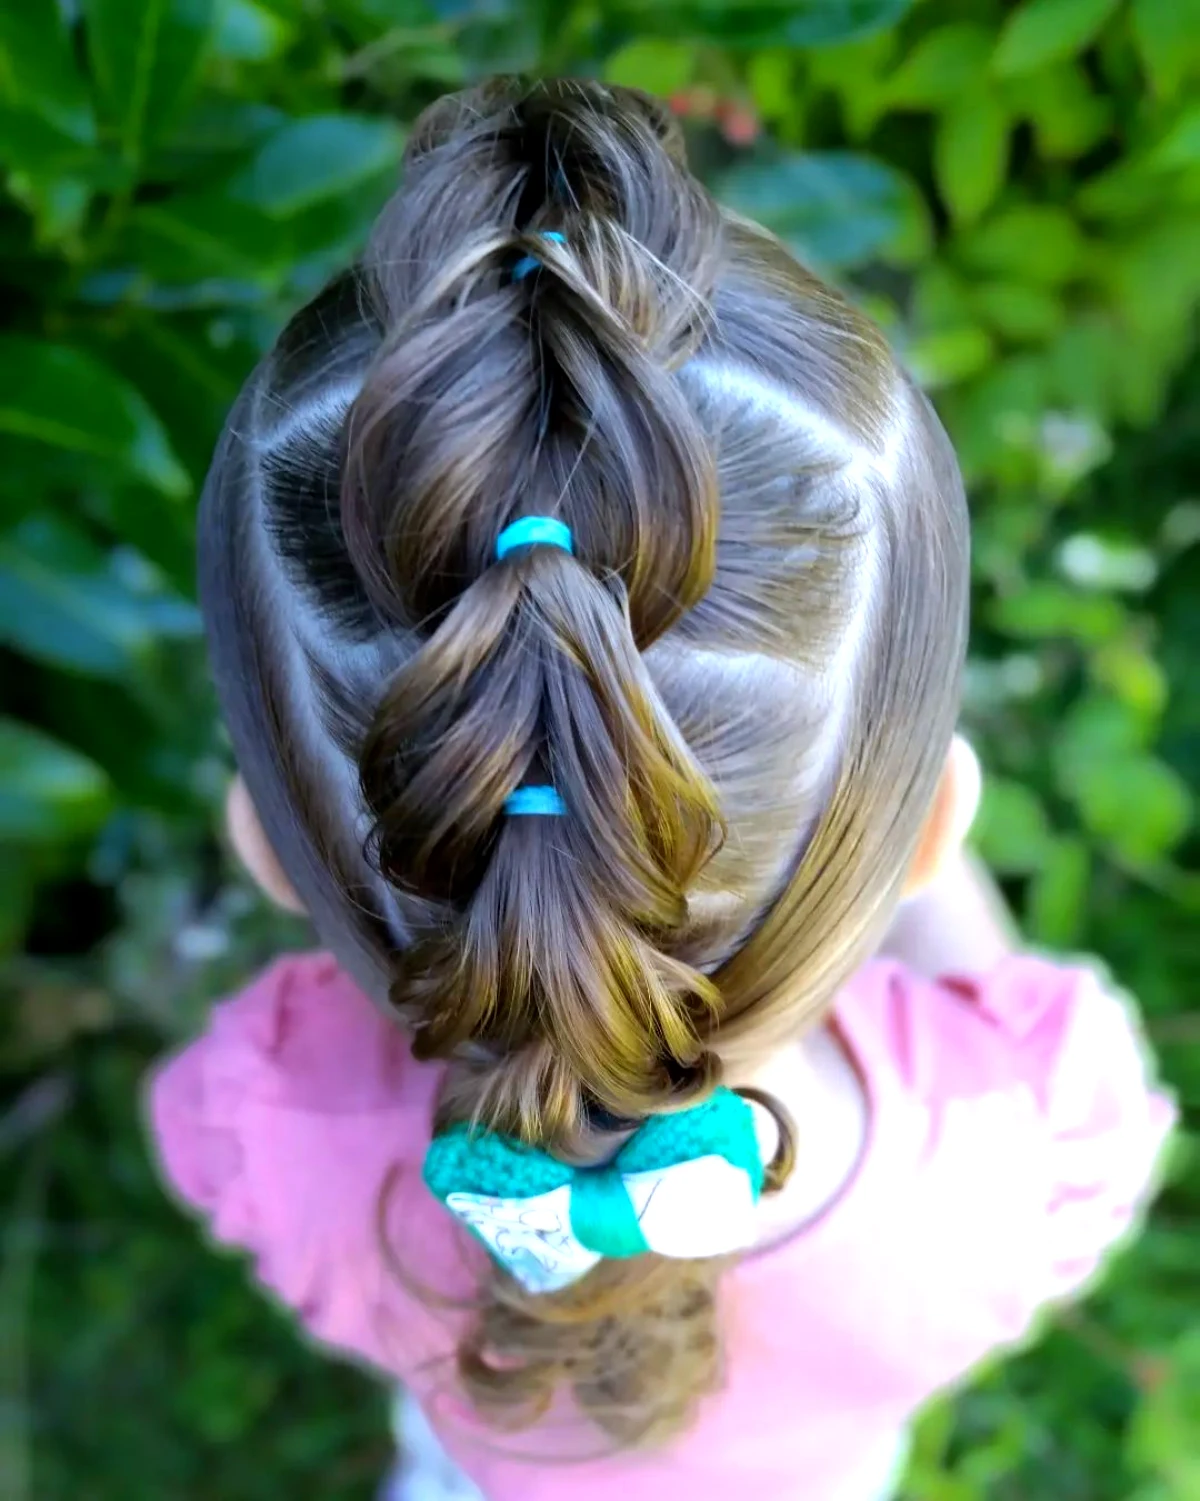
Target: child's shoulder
286	1125
1016	1108
303	1035
1027	1023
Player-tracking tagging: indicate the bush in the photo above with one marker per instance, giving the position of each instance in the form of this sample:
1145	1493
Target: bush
1014	191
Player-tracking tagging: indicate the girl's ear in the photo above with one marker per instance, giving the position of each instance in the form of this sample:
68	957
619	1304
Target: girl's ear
950	818
251	847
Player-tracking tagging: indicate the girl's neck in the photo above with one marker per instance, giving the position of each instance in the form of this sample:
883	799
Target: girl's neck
819	1084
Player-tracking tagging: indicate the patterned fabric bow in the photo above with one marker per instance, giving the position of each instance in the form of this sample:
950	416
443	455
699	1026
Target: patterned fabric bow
683	1185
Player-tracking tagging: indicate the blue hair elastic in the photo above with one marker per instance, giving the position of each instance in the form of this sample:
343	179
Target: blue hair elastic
534	531
529	263
537	801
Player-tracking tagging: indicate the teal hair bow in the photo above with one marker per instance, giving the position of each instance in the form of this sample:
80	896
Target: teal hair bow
684	1184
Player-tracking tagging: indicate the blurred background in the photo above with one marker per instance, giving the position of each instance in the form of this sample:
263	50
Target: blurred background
1013	190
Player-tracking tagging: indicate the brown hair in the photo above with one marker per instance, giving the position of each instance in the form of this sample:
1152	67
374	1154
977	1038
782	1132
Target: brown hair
743	682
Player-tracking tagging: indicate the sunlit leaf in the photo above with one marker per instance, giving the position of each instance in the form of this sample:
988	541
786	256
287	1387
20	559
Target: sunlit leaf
1040	610
1011	830
971	154
1167	34
1029	242
1018	310
949	355
1068	114
942	66
1042	31
657	66
1097	727
1056	904
772	78
1181	145
1128	670
1136	804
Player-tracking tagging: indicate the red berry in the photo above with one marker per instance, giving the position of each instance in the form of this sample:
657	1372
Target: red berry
739	124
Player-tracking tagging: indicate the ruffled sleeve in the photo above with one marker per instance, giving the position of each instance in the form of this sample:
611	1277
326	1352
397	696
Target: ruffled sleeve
295	1127
1076	1051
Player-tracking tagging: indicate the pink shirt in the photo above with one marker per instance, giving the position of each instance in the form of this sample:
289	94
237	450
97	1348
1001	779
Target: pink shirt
1013	1138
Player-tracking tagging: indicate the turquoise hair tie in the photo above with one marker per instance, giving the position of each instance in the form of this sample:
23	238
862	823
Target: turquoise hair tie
683	1185
534	531
534	801
529	263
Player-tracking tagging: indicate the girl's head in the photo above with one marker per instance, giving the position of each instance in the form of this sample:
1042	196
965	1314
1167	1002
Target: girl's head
743	682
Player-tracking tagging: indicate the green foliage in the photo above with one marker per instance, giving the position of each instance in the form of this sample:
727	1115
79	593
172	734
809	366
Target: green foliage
1013	189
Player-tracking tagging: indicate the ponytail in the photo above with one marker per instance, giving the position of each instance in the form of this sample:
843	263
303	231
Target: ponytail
555	320
543	969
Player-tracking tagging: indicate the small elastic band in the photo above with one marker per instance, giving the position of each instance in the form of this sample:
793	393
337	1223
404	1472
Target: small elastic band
529	263
533	531
543	801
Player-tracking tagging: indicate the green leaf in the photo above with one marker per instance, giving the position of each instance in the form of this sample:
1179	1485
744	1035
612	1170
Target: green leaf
1097	728
943	65
1017	310
246	32
1162	1432
654	65
941	298
195	366
1081	364
146	55
949	355
47	790
194	237
1056	898
827	23
63	602
771	76
997	420
1181	145
37	69
1137	805
970	154
1068	116
834	206
318	158
68	399
1029	242
1011	829
217	125
1043	31
1039	611
1155	278
1128	671
1167	34
29	144
761	23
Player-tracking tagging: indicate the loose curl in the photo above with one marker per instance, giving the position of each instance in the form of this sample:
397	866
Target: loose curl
742	682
